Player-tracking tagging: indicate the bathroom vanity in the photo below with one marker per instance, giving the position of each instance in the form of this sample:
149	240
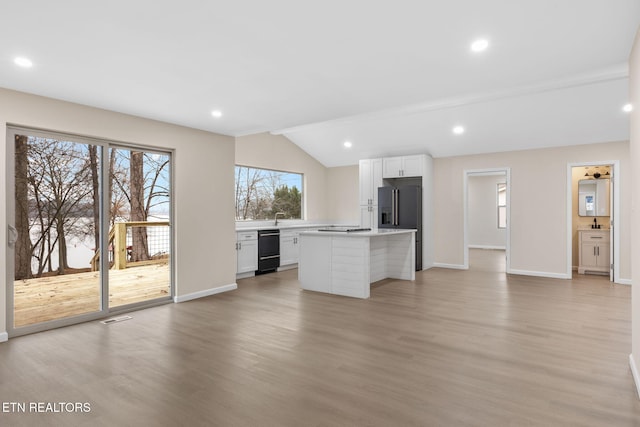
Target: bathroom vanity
593	248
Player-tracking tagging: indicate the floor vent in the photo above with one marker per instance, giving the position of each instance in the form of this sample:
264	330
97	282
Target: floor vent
116	319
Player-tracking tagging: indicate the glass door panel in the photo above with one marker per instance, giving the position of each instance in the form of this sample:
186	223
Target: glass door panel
57	229
139	241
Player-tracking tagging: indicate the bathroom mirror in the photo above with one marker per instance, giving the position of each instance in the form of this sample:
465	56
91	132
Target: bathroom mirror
593	197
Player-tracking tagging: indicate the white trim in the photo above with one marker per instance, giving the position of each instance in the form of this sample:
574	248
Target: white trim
615	169
4	336
501	248
288	267
465	208
540	274
623	282
452	266
245	275
634	372
205	293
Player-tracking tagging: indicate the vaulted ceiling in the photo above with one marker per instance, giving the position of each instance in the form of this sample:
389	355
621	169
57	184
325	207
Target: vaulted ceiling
390	77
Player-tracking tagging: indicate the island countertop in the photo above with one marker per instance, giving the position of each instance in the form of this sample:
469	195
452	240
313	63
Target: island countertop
367	233
347	262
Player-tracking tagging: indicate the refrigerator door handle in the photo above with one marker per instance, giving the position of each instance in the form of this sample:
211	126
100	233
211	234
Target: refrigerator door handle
395	207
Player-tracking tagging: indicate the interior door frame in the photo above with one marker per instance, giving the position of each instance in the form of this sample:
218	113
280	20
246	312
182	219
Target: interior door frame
614	230
484	172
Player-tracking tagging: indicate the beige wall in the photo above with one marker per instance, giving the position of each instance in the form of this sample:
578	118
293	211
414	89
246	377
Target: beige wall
342	195
483	212
203	177
538	216
268	151
634	84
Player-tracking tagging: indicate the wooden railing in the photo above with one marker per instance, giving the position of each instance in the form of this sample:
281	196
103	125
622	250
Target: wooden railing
120	251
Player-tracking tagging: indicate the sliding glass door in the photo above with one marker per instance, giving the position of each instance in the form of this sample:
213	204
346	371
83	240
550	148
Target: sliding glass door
90	229
140	221
56	228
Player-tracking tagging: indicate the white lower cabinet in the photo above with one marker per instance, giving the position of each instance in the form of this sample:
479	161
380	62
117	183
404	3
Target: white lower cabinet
289	247
594	252
369	216
247	251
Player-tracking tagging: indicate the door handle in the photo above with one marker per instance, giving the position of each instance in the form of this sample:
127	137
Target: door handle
13	235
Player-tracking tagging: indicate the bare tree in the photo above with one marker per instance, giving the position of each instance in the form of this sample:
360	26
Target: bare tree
23	249
95	187
59	172
140	243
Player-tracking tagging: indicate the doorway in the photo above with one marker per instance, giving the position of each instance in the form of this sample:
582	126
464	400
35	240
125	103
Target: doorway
89	229
592	213
486	219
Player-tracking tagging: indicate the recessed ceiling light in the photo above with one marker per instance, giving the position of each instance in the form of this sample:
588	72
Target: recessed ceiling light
347	144
216	113
23	62
480	45
458	130
627	108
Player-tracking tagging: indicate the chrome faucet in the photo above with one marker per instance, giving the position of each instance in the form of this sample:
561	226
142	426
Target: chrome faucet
276	217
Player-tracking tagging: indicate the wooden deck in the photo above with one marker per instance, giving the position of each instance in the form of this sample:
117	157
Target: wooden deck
58	297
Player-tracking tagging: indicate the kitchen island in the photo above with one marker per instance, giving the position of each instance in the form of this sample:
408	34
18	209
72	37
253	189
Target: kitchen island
346	263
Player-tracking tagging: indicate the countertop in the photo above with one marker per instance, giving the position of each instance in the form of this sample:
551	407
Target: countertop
285	226
370	233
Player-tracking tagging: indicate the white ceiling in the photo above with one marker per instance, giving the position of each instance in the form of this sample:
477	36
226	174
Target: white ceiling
391	77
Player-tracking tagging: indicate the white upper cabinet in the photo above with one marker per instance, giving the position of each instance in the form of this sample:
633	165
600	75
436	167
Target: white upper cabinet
406	166
370	180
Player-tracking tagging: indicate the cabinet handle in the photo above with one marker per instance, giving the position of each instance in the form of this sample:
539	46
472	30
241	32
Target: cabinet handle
239	246
596	237
594	251
598	250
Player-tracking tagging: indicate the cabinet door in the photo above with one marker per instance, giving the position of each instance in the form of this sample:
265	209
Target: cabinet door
391	167
370	180
376	178
366	196
602	252
247	256
413	165
588	254
288	249
369	217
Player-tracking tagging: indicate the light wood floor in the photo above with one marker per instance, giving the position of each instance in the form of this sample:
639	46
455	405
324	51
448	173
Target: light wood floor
452	348
58	297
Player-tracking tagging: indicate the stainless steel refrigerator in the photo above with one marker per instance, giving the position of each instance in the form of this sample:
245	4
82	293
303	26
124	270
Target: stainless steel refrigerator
401	207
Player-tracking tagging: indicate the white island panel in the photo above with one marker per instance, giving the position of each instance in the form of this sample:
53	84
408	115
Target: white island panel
347	263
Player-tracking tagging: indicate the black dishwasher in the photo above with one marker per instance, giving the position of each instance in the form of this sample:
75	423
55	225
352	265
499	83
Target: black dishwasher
268	251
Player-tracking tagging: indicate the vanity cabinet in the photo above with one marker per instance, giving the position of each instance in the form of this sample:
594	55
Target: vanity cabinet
594	252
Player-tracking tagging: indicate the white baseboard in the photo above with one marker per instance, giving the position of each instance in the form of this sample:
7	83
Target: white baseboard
287	267
539	274
245	275
205	293
4	336
623	282
634	372
502	248
453	266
